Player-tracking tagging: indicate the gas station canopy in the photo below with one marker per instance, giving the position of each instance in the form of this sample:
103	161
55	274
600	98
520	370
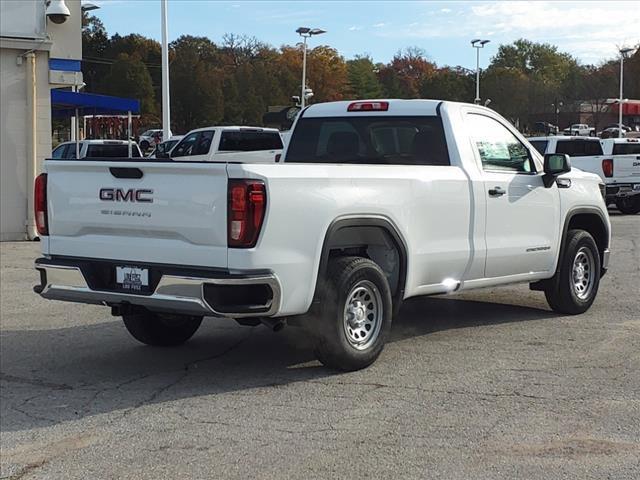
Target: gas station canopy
64	103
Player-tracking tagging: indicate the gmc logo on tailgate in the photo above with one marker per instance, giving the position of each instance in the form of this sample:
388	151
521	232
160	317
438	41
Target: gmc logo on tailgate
122	195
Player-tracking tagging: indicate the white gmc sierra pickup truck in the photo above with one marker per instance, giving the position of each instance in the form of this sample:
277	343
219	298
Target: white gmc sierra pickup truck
374	202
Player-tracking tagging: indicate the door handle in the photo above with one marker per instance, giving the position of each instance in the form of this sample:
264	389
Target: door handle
497	191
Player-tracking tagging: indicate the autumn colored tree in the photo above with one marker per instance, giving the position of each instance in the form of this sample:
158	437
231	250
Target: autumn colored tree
406	73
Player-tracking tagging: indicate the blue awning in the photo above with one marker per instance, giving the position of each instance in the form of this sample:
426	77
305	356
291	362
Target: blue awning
65	102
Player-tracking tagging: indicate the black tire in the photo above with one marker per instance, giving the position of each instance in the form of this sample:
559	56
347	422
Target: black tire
161	330
144	145
562	293
628	205
358	283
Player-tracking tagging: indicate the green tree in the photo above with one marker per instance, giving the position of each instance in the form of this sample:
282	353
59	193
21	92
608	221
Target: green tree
456	84
196	83
129	77
363	80
95	42
508	89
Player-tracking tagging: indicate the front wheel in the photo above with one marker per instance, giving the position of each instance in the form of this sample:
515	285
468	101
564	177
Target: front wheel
628	205
161	330
575	286
353	319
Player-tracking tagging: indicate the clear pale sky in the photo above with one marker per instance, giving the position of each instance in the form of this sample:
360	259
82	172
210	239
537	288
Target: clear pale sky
589	30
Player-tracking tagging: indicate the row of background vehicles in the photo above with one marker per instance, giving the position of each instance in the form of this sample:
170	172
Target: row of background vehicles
582	129
255	144
615	160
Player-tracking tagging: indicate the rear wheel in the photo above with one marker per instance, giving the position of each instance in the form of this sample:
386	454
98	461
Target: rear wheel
575	285
628	205
353	319
159	329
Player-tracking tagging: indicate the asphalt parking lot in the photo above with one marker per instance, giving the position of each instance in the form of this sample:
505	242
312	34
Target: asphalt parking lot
488	384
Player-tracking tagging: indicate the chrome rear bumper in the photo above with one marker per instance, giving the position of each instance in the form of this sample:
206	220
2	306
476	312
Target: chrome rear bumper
173	293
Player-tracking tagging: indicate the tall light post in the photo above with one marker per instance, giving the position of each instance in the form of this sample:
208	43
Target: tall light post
557	106
478	44
85	7
623	53
306	32
166	108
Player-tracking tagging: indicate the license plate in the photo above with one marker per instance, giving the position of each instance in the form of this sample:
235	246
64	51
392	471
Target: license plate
132	278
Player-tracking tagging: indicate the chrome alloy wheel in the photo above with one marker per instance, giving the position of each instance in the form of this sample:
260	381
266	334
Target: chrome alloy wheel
363	312
583	275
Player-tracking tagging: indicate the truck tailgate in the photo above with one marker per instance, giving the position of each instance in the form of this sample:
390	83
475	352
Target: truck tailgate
626	166
174	213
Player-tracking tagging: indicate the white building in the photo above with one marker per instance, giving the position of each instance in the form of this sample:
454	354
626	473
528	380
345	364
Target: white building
36	55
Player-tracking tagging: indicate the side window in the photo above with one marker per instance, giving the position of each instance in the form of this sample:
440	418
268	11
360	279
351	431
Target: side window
579	148
59	151
593	147
569	147
539	145
204	143
186	146
70	151
499	149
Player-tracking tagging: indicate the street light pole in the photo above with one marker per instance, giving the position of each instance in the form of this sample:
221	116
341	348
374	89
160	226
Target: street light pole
623	53
166	107
304	71
306	32
478	44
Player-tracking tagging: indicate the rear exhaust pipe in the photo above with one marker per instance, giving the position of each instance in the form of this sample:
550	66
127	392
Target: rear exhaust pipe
275	324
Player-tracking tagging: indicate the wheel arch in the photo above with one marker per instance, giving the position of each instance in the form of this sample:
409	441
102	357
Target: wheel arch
344	235
591	220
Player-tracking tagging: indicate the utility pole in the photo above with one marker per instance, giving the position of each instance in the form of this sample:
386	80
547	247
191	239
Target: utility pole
166	100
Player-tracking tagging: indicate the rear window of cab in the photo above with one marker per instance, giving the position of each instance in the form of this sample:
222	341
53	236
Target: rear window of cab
579	147
386	140
626	149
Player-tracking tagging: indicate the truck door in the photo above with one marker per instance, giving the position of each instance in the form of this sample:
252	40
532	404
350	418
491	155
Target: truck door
522	220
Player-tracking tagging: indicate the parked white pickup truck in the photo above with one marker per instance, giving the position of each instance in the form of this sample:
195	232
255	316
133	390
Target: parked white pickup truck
375	202
615	160
229	144
622	172
580	129
96	149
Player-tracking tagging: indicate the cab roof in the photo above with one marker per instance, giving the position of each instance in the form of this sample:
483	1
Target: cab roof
395	107
233	128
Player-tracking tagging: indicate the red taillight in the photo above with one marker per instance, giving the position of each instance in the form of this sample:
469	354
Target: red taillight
247	206
40	204
607	167
368	107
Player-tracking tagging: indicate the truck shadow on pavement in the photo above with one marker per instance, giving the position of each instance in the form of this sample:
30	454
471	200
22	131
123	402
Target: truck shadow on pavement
55	376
